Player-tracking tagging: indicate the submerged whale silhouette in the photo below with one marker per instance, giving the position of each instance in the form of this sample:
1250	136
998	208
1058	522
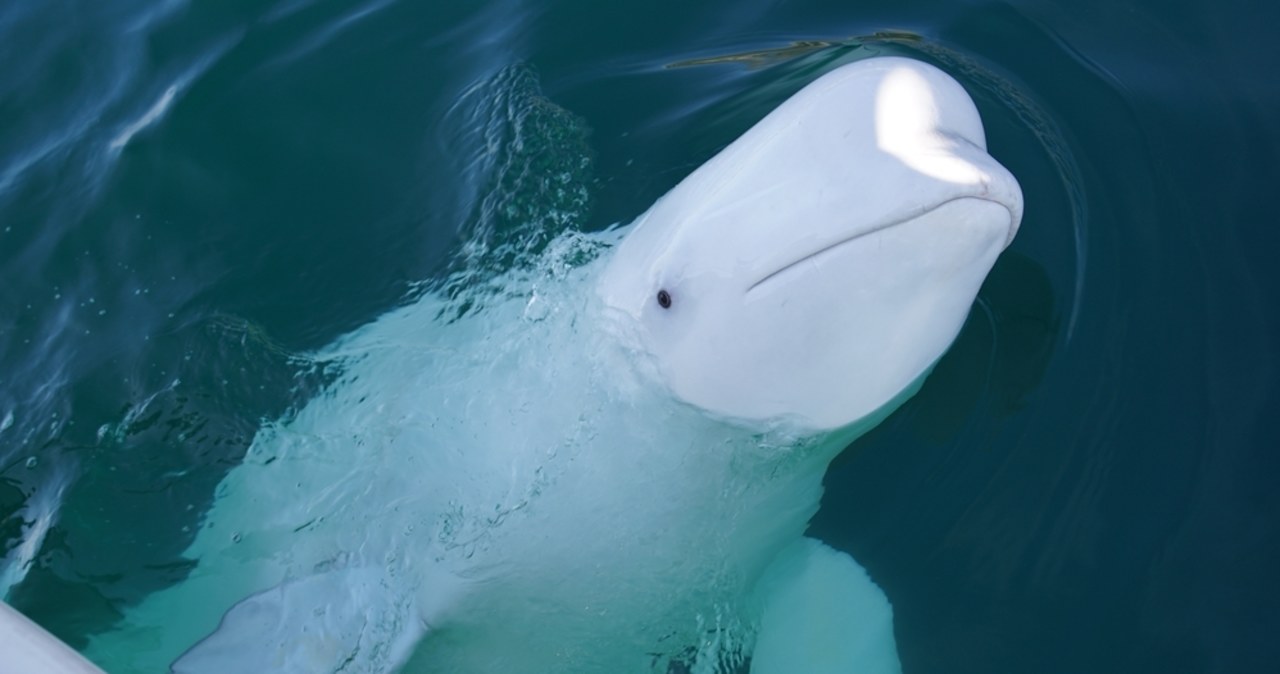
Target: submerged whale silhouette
609	464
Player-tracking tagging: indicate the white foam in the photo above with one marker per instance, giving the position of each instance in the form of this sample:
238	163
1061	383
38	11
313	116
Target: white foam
155	112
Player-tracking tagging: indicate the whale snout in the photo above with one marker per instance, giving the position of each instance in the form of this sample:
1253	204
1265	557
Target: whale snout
925	120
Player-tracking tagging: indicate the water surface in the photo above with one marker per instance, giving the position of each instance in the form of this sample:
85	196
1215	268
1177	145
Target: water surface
194	195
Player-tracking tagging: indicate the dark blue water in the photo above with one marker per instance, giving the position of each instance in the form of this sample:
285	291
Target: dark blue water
194	193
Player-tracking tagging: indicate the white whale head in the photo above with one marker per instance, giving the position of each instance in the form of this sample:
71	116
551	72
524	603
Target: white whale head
824	261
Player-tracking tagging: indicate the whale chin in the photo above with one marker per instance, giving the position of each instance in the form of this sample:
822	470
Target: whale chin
858	322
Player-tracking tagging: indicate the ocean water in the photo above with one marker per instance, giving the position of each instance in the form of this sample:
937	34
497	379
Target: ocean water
194	196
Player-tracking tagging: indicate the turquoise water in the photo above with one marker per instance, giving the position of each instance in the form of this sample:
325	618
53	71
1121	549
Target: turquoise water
192	195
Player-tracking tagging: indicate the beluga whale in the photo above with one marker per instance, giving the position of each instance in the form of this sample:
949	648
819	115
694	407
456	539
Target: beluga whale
606	460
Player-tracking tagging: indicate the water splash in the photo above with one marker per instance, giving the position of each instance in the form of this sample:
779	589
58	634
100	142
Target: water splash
533	167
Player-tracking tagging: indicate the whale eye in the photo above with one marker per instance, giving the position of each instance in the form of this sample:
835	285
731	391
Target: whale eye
664	299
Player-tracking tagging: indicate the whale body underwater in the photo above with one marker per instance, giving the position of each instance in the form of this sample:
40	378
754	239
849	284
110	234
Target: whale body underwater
610	464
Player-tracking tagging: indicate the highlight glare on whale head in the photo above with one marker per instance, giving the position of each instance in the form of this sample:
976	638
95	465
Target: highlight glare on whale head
825	260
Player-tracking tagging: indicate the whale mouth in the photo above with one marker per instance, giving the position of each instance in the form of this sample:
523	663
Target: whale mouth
834	247
821	252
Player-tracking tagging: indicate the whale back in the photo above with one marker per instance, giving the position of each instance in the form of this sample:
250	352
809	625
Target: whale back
520	461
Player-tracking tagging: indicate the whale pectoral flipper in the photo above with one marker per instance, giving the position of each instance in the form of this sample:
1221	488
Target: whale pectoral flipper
307	625
822	614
